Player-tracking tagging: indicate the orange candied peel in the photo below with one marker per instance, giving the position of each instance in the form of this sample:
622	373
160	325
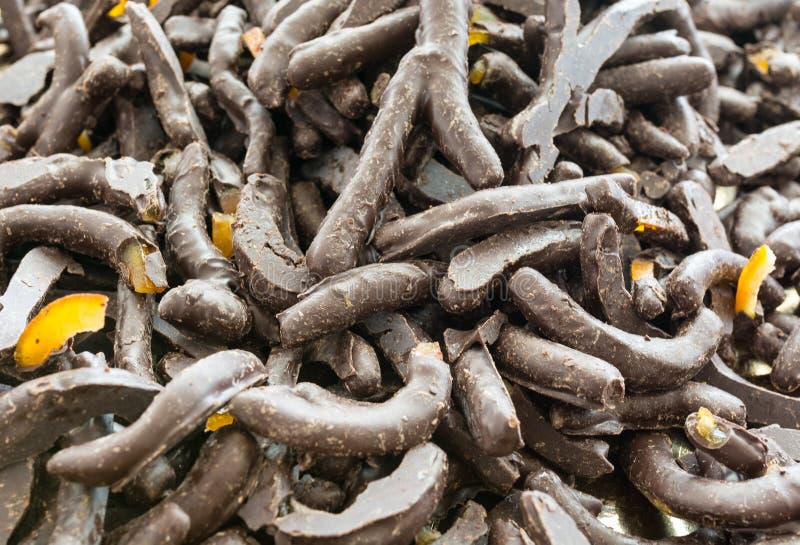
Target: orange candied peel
293	93
253	40
85	142
643	224
757	268
57	323
642	268
477	72
706	426
186	59
134	257
760	59
222	232
477	36
219	420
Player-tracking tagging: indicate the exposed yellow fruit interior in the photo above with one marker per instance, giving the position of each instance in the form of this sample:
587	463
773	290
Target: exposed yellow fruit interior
477	72
84	142
222	232
253	40
118	10
760	264
426	536
186	59
643	224
57	323
760	59
134	257
482	13
642	268
219	420
706	426
478	36
293	93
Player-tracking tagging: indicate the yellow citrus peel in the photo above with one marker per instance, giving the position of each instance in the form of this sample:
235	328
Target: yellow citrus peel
760	59
478	37
642	268
477	72
293	93
219	420
706	426
481	13
118	10
57	323
222	232
760	264
134	257
85	142
186	59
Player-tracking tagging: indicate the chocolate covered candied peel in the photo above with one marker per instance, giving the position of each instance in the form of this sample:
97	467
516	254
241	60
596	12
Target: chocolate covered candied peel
399	272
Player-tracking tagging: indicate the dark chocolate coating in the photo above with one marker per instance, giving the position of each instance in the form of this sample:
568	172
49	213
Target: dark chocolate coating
470	528
36	413
247	114
547	522
497	474
361	12
580	457
170	524
274	271
604	279
647	364
151	483
308	417
349	97
756	215
165	78
654	411
722	16
139	132
352	359
485	212
267	75
189	33
755	503
649	298
590	149
210	494
785	374
485	332
16	491
320	112
121	183
651	140
90	232
693	205
687	285
272	478
543	245
756	155
395	335
308	208
505	520
557	371
645	47
343	52
318	494
785	242
36	273
737	448
340	301
188	400
767	342
134	331
661	226
485	402
21	34
389	511
504	81
235	536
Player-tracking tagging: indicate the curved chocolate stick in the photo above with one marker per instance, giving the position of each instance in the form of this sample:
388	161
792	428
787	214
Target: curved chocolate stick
344	427
389	511
572	59
349	97
347	298
86	97
138	130
247	114
543	245
151	483
501	78
165	78
72	57
756	155
721	16
647	364
122	183
688	283
485	403
362	12
309	209
655	411
581	457
652	223
649	139
431	83
190	33
592	150
557	371
90	232
21	34
352	359
275	272
757	215
784	242
645	47
395	335
206	303
170	524
320	112
340	53
485	212
727	442
36	273
785	374
649	298
470	528
547	522
755	503
188	400
134	331
603	277
210	494
267	75
16	494
767	342
693	205
36	413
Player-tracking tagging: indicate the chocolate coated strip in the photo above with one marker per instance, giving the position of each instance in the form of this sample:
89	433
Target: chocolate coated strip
547	522
308	417
485	332
592	150
485	212
470	528
170	524
235	97
210	494
580	457
134	331
654	411
395	335
755	503
647	364
16	491
729	443
72	57
36	413
36	273
645	47
90	232
723	15
320	112
687	284
485	402
503	80
340	301
693	205
505	520
165	78
756	215
21	34
272	477
785	374
362	12
649	139
431	81
309	209
785	242
756	155
191	397
557	371
121	183
352	359
267	75
189	33
388	511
